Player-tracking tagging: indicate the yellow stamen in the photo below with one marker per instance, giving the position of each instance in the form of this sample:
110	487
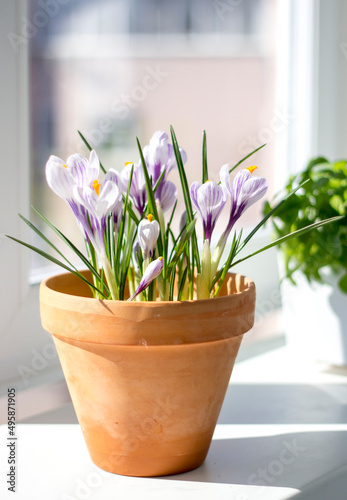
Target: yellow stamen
150	217
160	258
128	163
65	165
251	169
96	186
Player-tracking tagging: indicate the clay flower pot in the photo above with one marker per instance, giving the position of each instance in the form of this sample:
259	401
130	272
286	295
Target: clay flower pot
147	379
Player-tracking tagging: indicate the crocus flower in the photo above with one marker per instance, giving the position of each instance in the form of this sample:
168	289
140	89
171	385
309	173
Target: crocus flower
160	159
245	190
208	199
100	200
65	179
147	234
159	156
76	171
152	271
117	207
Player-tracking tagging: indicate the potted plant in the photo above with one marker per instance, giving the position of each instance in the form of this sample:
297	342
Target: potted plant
316	261
148	334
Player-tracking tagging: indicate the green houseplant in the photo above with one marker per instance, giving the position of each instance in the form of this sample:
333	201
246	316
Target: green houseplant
323	195
314	265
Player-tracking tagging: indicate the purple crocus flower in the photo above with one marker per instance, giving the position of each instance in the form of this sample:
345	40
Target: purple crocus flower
147	234
100	200
159	158
159	155
208	199
244	191
152	271
65	179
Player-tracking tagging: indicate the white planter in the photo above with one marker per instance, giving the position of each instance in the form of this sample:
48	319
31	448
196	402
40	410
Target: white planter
315	319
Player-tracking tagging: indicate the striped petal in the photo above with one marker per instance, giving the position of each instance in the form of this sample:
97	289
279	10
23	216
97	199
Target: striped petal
166	194
152	271
209	199
148	232
59	178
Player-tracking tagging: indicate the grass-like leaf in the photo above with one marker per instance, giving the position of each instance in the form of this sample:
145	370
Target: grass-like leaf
58	263
182	283
151	205
79	254
122	222
179	247
89	147
186	196
204	158
233	251
244	159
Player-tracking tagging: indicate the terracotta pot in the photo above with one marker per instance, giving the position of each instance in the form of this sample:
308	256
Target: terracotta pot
147	379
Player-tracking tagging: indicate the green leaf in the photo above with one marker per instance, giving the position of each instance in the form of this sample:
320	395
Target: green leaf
58	263
66	241
186	196
122	222
204	159
172	283
182	283
338	204
245	158
233	251
152	208
89	147
186	234
151	205
343	283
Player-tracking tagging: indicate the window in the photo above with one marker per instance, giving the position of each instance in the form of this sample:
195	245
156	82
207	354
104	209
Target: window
121	69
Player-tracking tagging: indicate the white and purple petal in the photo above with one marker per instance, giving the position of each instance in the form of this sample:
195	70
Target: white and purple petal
152	271
59	178
209	199
147	234
166	194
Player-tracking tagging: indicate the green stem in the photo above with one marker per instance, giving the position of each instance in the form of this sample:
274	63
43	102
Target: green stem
111	281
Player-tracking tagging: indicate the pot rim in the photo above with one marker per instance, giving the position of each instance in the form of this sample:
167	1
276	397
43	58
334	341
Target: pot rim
84	318
47	284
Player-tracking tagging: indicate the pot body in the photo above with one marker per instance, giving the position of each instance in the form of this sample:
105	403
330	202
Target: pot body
147	379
